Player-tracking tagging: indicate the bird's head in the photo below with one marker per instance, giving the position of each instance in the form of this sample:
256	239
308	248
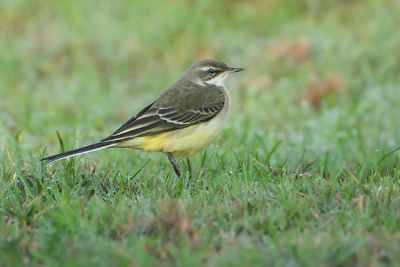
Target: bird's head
210	72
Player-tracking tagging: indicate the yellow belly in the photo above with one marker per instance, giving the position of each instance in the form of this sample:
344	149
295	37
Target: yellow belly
186	141
183	142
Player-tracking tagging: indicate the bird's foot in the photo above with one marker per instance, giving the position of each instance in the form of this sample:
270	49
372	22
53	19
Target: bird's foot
174	164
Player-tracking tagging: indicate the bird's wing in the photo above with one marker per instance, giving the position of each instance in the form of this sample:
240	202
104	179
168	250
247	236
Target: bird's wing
171	113
131	120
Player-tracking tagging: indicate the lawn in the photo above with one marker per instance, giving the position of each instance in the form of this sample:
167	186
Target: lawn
306	172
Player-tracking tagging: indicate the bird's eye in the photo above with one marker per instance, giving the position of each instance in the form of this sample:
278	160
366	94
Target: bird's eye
211	71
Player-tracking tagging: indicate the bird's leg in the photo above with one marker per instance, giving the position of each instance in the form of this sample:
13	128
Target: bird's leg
174	164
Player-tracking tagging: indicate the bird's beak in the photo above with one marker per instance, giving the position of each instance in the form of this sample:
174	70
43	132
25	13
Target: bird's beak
233	70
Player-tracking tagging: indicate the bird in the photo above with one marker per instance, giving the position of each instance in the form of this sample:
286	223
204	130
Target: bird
181	122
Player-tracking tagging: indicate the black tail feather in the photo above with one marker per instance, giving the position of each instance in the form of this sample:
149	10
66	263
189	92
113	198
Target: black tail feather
76	152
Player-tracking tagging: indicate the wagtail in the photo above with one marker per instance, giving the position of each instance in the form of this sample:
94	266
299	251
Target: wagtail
182	121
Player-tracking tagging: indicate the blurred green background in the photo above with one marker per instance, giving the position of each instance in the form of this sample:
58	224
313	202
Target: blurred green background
84	68
319	99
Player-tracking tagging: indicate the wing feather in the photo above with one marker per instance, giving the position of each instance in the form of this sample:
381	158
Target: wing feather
162	116
130	121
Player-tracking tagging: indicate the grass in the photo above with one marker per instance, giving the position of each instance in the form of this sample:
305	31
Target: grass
302	176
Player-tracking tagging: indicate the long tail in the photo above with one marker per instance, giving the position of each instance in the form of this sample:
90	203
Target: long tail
78	151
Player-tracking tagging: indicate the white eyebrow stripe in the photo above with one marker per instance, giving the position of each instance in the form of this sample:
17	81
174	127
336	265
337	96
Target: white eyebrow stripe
207	67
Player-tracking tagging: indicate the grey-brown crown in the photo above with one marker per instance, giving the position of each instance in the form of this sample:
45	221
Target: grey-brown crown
208	69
